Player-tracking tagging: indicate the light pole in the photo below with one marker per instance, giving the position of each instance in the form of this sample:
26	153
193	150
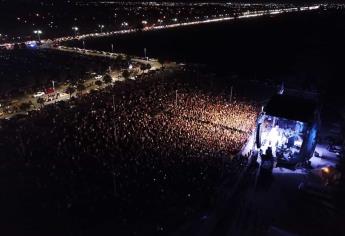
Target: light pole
145	53
53	82
84	44
101	27
112	48
38	32
114	103
75	28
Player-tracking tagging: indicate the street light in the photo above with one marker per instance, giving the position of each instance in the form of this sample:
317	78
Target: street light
101	27
112	48
38	32
75	28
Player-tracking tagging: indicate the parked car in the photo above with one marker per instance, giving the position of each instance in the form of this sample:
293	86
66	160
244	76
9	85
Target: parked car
38	94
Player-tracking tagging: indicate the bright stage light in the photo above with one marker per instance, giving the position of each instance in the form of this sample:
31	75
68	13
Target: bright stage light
325	170
273	136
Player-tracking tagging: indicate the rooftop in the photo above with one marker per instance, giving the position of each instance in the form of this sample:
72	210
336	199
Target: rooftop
291	107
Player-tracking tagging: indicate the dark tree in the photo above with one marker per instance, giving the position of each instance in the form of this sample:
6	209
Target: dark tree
143	67
119	58
107	79
128	59
98	83
126	74
24	106
161	61
80	88
70	90
40	101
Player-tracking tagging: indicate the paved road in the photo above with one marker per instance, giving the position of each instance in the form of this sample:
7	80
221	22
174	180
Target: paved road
153	62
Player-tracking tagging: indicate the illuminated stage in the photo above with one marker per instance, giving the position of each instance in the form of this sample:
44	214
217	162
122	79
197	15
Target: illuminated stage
287	130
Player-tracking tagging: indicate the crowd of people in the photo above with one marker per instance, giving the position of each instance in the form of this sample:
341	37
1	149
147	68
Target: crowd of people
148	153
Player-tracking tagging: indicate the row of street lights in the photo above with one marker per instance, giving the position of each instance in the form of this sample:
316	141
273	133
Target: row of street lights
38	32
101	27
74	28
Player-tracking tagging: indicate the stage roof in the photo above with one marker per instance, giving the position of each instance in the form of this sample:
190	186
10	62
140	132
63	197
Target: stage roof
291	107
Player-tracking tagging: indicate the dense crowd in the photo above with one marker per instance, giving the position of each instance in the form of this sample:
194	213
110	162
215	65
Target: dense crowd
138	153
212	121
